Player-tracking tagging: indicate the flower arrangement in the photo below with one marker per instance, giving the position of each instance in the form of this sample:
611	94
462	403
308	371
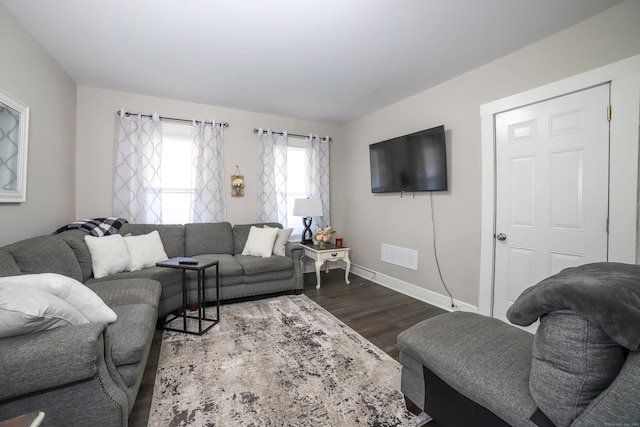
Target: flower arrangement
238	182
323	235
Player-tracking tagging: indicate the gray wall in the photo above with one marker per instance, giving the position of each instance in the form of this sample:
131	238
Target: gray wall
29	74
97	136
369	220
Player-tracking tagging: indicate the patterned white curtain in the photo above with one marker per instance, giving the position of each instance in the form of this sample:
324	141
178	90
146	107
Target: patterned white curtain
137	174
272	177
317	167
208	205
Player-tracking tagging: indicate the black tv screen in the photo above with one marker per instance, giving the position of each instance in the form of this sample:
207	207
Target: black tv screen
414	162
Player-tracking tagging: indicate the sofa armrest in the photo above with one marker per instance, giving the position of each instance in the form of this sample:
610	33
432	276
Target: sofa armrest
41	360
294	251
618	404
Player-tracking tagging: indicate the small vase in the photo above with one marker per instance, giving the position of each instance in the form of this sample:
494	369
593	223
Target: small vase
322	245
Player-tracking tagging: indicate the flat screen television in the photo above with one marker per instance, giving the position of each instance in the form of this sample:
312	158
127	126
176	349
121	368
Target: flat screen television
410	163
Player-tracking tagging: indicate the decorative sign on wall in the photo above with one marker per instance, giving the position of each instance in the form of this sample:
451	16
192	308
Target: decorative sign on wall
237	184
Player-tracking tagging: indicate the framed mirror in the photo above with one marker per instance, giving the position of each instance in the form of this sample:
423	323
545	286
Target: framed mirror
14	136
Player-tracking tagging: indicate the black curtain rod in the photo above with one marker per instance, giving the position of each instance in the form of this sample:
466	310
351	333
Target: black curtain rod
225	124
256	130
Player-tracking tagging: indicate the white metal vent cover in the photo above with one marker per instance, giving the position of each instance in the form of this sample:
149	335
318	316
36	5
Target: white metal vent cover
407	258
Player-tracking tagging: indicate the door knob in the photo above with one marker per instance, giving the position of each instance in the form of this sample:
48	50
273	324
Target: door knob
501	236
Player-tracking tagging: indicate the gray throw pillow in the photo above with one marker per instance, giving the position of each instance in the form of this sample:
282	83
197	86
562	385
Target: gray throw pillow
573	362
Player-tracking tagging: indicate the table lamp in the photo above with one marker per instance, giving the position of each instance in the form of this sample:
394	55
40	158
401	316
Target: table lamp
307	208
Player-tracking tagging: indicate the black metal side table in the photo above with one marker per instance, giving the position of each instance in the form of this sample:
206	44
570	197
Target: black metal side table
199	266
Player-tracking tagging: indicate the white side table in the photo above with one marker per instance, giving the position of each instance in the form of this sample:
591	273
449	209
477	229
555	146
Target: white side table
322	256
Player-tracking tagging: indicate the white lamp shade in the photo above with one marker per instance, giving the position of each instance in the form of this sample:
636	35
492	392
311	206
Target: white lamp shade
307	207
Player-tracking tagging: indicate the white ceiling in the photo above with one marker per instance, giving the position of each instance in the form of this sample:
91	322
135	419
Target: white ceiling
321	60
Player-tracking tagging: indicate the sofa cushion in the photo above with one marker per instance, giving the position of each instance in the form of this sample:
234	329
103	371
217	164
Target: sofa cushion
282	276
109	254
241	233
172	235
129	334
280	245
208	238
45	362
228	264
45	254
26	309
573	362
170	278
75	240
128	291
252	265
144	250
8	266
230	273
260	242
69	290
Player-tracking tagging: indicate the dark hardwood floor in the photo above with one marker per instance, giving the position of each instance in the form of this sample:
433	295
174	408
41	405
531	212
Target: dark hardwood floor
377	313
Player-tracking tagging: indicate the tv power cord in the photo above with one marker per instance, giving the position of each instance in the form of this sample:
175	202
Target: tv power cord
435	251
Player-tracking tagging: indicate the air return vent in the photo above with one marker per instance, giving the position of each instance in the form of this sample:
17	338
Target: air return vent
407	258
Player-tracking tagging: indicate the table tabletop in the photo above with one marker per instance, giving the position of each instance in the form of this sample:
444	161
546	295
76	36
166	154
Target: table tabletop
328	247
175	263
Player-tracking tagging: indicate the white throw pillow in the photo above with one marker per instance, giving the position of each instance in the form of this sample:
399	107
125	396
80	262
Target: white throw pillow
260	241
280	245
69	290
144	250
109	254
24	309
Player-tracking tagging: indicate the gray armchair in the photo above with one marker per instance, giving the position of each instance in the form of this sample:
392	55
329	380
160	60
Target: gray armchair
581	368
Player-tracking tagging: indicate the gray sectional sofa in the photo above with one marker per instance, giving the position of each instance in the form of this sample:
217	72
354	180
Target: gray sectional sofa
89	374
581	368
240	275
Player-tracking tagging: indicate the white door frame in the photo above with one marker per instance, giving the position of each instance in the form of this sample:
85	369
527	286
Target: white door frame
623	177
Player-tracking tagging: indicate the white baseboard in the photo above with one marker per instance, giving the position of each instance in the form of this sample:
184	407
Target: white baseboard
414	291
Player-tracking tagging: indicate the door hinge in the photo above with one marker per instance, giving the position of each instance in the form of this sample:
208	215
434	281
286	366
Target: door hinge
607	225
609	113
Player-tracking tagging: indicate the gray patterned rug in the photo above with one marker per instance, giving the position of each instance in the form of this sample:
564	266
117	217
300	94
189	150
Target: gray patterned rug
281	361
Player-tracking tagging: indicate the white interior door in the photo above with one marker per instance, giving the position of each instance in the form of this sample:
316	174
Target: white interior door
552	187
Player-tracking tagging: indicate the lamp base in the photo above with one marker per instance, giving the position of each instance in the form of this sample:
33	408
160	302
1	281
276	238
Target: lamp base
306	234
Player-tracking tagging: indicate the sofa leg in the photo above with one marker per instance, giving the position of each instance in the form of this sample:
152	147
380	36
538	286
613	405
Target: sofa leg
411	407
298	291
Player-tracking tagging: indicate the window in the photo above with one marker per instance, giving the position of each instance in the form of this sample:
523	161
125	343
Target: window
287	170
175	166
178	173
296	184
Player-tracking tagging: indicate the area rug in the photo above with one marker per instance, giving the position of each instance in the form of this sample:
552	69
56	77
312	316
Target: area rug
282	361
